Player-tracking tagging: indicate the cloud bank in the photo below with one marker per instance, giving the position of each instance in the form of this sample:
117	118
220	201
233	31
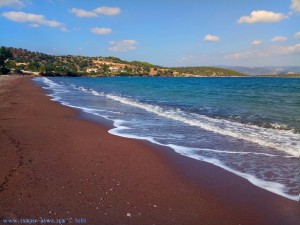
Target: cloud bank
295	5
34	20
262	16
279	38
210	37
122	46
256	42
271	51
107	11
101	31
11	3
82	13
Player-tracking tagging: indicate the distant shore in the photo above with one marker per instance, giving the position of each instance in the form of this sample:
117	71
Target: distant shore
56	166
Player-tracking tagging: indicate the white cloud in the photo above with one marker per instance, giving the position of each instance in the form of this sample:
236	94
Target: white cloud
279	38
210	37
34	20
261	16
82	13
11	3
122	46
256	42
295	5
246	54
101	31
297	35
271	51
108	11
287	49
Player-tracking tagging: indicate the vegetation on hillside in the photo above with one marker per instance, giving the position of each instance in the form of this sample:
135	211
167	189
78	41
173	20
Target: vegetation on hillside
207	71
26	61
5	55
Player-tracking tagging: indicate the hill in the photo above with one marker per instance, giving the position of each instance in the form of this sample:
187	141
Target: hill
49	65
266	70
206	71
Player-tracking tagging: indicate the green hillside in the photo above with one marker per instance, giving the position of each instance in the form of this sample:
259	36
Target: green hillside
27	61
207	71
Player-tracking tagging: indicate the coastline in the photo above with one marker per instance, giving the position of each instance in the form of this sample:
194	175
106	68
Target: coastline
55	165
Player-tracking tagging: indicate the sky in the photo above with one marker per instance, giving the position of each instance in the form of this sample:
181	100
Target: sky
162	32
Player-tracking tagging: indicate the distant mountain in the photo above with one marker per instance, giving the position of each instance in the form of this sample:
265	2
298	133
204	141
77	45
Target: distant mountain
267	70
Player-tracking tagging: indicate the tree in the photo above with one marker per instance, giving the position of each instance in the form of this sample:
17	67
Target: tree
147	69
128	70
34	66
82	64
105	68
10	64
42	68
49	67
5	54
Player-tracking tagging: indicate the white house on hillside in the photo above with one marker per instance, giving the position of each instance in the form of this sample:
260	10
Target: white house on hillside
114	69
90	70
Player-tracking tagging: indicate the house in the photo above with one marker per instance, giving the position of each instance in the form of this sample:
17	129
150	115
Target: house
92	70
114	69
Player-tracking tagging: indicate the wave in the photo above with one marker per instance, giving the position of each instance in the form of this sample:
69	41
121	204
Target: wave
283	140
240	153
279	126
274	187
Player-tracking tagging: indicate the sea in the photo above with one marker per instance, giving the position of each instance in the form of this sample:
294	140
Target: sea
247	126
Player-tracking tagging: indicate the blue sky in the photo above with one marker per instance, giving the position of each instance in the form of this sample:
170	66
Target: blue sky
163	32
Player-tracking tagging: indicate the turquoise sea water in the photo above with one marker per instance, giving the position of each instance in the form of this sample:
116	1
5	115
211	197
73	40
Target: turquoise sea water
247	126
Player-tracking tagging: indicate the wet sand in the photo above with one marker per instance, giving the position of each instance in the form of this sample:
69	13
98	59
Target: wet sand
54	165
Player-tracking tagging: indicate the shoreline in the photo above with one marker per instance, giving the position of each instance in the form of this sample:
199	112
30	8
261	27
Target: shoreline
61	166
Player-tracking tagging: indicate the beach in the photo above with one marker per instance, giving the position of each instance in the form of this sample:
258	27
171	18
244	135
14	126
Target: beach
55	165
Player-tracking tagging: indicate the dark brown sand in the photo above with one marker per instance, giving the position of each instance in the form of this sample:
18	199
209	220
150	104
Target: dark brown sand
56	166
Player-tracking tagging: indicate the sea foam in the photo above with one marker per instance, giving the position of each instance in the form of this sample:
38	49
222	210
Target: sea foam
274	187
283	140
